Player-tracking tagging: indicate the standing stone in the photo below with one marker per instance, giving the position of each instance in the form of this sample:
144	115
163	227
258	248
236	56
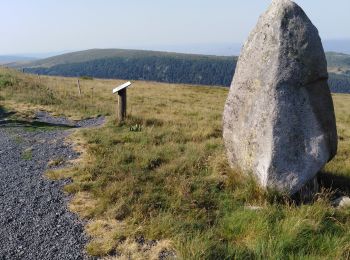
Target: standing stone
279	122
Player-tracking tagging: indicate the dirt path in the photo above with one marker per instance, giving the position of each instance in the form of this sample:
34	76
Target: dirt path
34	219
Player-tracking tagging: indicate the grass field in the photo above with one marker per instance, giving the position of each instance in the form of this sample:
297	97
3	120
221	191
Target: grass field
163	175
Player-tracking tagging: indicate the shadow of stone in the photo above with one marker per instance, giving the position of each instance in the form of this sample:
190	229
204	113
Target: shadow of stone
334	184
339	184
4	113
33	125
6	122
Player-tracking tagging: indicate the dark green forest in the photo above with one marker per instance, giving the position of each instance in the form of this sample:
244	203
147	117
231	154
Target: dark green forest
191	69
339	83
201	71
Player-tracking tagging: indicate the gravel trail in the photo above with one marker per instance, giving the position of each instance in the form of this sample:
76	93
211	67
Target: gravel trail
34	220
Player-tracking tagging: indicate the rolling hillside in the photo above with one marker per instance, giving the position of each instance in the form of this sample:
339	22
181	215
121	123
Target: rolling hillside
98	54
140	65
164	67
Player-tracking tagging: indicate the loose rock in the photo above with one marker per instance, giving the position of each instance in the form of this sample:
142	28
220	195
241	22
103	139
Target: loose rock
253	208
342	202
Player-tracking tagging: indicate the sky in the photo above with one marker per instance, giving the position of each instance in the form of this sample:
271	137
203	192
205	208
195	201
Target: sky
38	26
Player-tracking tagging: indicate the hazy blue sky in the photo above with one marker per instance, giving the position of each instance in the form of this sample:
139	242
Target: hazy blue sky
28	26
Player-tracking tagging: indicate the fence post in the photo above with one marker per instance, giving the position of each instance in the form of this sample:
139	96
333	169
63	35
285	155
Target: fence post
79	89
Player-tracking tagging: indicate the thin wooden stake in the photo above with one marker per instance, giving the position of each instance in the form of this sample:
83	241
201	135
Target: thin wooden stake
79	89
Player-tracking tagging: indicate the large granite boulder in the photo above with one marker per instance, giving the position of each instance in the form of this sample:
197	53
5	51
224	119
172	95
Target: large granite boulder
279	122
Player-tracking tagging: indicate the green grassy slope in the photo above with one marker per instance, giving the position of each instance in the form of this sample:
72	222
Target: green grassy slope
98	54
168	179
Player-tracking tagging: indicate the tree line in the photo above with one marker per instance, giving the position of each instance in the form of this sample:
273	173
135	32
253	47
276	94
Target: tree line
199	71
339	83
214	71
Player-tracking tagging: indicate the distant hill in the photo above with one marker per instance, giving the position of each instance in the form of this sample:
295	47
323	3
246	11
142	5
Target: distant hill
339	68
98	54
5	59
342	46
83	56
338	62
164	67
139	65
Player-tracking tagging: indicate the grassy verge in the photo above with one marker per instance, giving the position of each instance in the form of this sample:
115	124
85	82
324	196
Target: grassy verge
163	175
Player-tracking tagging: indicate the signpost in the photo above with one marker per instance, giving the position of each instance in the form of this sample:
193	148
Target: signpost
121	90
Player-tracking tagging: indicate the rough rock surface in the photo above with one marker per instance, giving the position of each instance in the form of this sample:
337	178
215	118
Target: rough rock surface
34	220
279	122
342	202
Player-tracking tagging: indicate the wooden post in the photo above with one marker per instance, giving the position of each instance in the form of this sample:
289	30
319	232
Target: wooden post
121	111
79	89
122	105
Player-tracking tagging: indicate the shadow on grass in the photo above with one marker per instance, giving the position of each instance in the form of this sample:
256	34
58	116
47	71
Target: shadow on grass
4	113
339	184
33	125
7	122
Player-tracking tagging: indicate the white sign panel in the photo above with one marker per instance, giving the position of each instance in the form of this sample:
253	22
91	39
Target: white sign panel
125	85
